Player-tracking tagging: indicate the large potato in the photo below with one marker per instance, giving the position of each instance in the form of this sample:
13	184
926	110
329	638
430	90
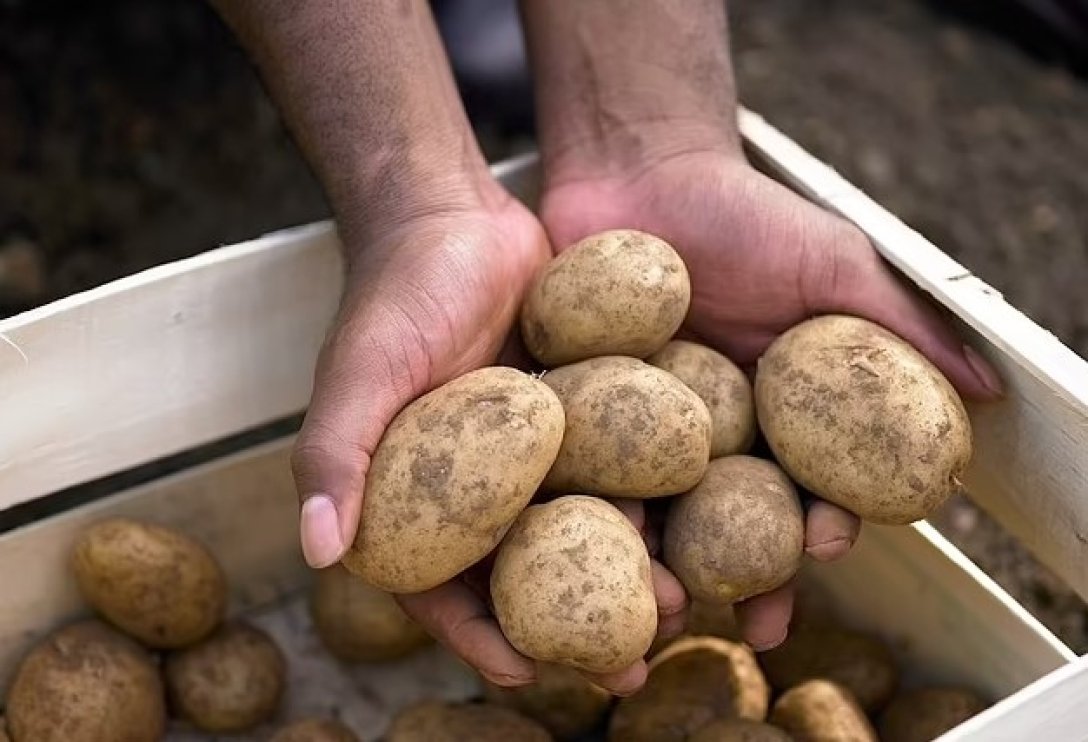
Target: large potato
571	584
822	711
86	683
632	430
620	292
315	730
359	623
721	385
561	699
739	730
450	475
153	583
739	533
925	714
230	682
432	721
862	419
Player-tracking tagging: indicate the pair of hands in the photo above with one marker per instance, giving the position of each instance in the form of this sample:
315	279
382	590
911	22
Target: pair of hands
436	295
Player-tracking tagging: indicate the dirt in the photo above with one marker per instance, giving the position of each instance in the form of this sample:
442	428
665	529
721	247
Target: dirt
134	133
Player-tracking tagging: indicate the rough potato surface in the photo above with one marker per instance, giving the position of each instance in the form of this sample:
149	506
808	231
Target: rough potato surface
721	385
620	292
739	533
86	683
821	711
315	730
925	714
561	699
632	430
359	623
153	583
450	475
432	721
739	730
571	584
857	416
230	682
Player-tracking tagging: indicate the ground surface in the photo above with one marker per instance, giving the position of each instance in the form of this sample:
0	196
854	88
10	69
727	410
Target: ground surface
133	133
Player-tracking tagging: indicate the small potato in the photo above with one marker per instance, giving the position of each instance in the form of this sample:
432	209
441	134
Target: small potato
155	584
620	292
561	699
632	430
86	683
359	623
860	663
859	417
315	730
571	584
926	713
230	682
739	533
739	730
721	385
450	475
432	721
822	711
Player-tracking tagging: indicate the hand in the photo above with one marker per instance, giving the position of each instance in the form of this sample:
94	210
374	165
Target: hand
761	259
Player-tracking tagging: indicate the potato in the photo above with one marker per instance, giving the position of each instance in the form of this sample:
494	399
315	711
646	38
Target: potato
721	385
86	683
359	623
924	714
632	430
739	730
571	584
4	731
712	619
450	475
862	419
821	711
155	584
860	663
561	700
230	682
739	533
620	292
432	721
315	730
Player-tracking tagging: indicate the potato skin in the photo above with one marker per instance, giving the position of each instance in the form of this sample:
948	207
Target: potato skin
739	730
450	475
230	682
315	730
155	584
620	292
721	385
561	700
359	623
860	418
924	714
86	683
822	711
432	721
632	430
571	584
739	533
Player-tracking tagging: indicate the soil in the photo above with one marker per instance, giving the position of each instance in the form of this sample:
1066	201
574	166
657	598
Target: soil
133	133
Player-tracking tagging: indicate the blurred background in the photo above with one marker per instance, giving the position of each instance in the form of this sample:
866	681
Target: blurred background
134	133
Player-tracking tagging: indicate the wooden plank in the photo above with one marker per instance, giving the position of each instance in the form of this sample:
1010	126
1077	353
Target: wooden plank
1031	465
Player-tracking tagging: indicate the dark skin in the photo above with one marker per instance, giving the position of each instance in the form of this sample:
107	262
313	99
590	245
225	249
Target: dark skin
637	107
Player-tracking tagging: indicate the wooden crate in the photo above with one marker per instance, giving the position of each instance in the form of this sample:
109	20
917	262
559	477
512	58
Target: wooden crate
205	348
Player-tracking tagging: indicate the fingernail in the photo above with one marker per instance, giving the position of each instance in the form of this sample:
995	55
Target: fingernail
320	530
767	645
829	550
984	372
506	680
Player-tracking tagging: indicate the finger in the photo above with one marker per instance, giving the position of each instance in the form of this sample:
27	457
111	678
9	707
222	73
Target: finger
764	620
672	601
635	511
830	531
622	683
460	621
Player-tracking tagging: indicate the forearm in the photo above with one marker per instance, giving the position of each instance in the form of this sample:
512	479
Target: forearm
622	81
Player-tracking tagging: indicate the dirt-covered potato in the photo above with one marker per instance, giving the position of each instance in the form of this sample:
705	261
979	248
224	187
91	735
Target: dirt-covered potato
721	385
620	292
859	662
739	533
359	623
692	682
571	584
632	430
230	682
821	711
315	730
860	418
561	699
86	683
155	584
925	714
449	476
432	721
739	730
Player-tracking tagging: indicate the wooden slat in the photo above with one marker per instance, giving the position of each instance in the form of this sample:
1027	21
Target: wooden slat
1031	465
